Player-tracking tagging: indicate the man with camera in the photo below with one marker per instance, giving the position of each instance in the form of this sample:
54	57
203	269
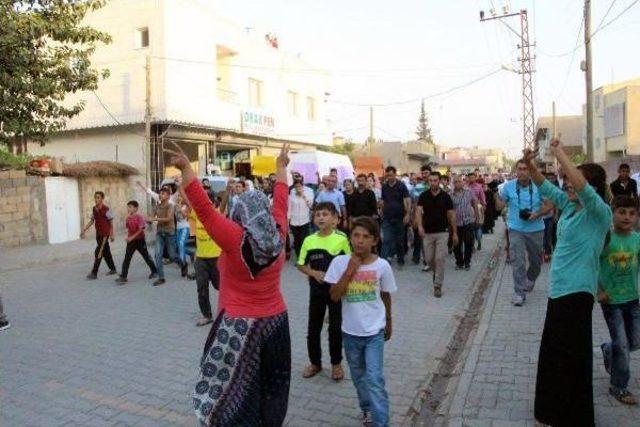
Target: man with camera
526	230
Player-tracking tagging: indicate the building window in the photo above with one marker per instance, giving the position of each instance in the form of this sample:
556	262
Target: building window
142	38
311	109
292	103
255	93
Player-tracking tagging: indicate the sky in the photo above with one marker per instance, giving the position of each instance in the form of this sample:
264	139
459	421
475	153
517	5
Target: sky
381	52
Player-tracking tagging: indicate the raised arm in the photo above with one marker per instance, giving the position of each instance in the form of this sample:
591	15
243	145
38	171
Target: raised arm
574	176
281	191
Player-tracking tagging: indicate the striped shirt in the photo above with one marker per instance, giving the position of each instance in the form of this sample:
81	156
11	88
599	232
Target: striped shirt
463	202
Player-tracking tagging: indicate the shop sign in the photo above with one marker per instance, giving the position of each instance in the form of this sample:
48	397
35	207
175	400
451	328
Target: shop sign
258	122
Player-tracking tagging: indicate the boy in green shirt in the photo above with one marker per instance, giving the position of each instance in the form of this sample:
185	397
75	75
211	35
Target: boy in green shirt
618	296
316	254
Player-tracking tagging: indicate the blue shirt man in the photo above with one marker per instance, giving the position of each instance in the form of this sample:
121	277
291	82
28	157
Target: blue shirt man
332	195
522	196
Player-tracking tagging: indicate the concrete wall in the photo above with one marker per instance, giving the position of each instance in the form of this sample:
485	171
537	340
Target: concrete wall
118	191
23	215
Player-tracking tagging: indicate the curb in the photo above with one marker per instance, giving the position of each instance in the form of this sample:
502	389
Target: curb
422	412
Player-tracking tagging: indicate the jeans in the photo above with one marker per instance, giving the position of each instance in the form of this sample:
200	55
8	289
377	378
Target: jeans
300	232
477	234
365	357
623	321
465	245
393	239
319	301
181	242
103	250
164	238
525	246
547	241
206	271
436	246
139	245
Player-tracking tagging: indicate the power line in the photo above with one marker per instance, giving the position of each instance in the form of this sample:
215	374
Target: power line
618	16
409	101
605	16
104	107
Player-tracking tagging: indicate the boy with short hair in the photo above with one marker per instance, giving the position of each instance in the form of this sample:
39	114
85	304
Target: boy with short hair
618	296
102	217
135	242
165	233
317	252
364	282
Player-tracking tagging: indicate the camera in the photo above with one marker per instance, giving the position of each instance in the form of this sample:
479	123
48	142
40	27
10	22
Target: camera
525	214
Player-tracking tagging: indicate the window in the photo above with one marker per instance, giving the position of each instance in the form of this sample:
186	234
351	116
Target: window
292	103
142	38
311	109
255	93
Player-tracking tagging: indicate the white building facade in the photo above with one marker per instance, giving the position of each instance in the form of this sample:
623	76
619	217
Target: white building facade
221	91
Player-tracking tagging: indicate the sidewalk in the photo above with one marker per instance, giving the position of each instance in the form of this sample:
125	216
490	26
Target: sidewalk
497	381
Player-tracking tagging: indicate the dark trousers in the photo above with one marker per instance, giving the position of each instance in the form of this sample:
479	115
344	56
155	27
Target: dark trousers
464	248
139	245
393	239
300	232
206	271
319	300
548	238
564	386
418	249
106	254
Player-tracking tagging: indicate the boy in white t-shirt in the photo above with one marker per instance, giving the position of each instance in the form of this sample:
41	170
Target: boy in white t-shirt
364	282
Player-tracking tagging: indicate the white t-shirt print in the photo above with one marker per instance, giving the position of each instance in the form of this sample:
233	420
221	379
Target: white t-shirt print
363	312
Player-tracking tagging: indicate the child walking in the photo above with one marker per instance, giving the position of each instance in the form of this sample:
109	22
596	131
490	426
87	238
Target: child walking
618	296
165	233
135	242
317	252
364	282
102	217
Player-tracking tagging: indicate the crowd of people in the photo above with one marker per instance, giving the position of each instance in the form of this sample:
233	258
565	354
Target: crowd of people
345	237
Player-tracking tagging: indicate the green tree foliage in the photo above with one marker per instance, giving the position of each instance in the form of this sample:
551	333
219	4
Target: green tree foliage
348	149
424	131
45	54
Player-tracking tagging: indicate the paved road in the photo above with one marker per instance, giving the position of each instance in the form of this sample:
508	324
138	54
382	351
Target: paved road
497	382
84	353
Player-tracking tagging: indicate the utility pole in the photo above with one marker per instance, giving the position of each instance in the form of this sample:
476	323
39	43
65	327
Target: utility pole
371	137
147	126
587	78
526	71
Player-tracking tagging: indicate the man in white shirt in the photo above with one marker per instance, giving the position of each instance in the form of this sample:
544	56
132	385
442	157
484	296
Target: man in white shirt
299	214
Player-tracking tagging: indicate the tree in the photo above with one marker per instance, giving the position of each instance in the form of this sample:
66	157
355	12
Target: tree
45	54
347	149
424	131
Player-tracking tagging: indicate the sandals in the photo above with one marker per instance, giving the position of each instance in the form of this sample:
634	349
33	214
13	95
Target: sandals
337	373
623	396
204	321
311	371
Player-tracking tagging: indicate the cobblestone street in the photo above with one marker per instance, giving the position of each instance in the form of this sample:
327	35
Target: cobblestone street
82	353
497	383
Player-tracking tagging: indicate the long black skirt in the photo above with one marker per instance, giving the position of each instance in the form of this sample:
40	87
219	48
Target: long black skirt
564	386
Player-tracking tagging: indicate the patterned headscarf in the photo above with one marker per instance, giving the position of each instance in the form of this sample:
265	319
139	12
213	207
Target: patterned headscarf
261	243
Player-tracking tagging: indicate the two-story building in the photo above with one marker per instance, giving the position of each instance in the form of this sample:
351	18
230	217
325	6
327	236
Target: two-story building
569	129
223	92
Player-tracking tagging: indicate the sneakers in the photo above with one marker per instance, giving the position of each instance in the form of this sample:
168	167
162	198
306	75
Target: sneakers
426	268
111	272
92	276
605	358
459	267
121	280
623	396
153	276
184	269
530	285
191	276
467	267
437	291
4	325
159	282
518	300
365	419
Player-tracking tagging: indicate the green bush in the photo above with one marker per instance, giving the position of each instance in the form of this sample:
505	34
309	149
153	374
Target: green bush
9	160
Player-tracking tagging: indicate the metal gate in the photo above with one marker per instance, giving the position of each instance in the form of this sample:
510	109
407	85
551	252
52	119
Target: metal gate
63	209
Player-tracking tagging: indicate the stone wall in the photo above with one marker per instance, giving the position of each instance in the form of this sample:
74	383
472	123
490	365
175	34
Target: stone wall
23	213
118	191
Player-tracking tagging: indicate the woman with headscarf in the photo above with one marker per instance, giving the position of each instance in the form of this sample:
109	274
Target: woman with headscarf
246	365
564	390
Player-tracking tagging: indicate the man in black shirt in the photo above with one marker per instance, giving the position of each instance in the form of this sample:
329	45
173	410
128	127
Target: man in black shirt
436	222
624	185
362	202
396	207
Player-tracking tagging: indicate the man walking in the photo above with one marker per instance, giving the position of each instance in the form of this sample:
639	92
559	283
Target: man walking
434	216
102	217
421	186
165	233
624	185
526	230
396	207
466	206
477	189
362	201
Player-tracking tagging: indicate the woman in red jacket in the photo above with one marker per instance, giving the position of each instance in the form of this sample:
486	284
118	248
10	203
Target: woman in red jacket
246	365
